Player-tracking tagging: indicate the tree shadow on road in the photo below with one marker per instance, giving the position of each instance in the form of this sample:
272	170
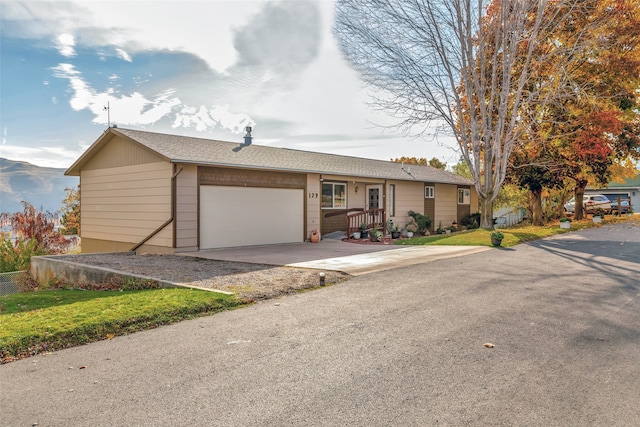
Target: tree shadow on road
616	259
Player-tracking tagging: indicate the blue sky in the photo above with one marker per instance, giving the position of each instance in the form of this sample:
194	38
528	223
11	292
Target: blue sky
200	68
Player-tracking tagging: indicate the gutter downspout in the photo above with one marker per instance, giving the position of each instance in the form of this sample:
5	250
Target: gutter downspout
167	222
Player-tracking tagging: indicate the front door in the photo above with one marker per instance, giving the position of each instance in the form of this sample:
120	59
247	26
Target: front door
374	196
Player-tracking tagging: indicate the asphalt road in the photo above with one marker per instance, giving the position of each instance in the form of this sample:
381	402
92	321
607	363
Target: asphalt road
401	347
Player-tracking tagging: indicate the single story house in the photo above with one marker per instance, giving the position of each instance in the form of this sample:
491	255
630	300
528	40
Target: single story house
160	193
627	190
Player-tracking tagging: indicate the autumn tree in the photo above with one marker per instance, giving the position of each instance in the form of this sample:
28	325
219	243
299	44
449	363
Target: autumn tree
70	212
590	128
459	64
433	162
436	163
36	225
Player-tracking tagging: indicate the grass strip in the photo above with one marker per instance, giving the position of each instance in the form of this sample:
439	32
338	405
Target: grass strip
36	322
512	235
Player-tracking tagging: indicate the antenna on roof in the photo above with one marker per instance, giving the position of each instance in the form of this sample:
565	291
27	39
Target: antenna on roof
108	110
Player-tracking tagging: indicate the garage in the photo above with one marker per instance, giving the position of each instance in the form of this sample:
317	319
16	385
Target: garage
246	216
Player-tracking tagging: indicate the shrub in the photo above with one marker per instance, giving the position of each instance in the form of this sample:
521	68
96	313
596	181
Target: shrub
423	221
17	256
471	221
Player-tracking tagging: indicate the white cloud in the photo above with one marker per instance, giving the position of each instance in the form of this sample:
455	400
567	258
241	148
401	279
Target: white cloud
123	55
137	109
65	44
204	118
169	25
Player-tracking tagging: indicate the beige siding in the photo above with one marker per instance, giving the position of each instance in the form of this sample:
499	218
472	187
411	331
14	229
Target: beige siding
313	198
121	152
125	204
446	204
356	200
409	196
187	208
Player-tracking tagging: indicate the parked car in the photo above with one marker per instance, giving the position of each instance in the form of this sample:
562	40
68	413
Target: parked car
624	206
590	202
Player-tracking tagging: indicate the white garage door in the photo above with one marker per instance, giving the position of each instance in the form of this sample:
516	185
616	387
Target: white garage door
245	216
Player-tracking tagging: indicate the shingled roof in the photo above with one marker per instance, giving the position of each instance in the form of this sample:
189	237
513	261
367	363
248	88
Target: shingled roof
185	149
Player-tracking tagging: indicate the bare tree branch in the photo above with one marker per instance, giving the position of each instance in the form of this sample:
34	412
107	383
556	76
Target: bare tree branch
464	63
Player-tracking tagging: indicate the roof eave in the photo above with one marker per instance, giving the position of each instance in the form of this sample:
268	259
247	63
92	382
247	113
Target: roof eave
292	170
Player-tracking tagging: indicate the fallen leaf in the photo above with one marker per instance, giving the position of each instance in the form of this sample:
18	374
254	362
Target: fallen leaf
488	345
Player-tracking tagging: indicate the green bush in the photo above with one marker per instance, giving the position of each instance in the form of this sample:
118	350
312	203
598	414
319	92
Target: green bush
423	221
16	257
471	221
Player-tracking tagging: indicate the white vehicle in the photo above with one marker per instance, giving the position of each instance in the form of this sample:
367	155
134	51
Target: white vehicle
590	202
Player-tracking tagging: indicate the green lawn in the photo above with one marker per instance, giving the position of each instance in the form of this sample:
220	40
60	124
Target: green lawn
35	322
512	235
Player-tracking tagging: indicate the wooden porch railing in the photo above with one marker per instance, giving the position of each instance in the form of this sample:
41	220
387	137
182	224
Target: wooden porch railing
371	217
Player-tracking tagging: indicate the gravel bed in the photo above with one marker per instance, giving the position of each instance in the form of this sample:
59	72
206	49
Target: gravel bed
246	280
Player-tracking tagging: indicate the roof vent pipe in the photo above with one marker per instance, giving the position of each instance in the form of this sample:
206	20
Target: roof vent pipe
247	137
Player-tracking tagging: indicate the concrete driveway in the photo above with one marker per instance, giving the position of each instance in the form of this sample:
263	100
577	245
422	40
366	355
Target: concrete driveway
331	253
401	347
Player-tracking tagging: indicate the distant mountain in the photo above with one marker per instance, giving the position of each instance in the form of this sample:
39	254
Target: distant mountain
42	187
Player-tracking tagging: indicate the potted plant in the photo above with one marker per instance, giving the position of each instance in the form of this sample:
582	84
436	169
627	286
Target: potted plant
356	234
598	214
363	230
375	235
565	223
395	233
411	228
439	230
496	238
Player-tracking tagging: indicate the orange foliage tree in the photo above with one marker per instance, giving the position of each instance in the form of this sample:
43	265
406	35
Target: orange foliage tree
433	162
590	126
34	225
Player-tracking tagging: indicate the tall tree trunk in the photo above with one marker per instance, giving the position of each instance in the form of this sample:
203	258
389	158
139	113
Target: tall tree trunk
486	213
581	185
536	207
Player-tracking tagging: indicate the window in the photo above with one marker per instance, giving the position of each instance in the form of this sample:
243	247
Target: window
429	192
464	196
392	200
334	195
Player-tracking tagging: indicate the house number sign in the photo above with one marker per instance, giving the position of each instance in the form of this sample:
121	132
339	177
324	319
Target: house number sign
313	195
